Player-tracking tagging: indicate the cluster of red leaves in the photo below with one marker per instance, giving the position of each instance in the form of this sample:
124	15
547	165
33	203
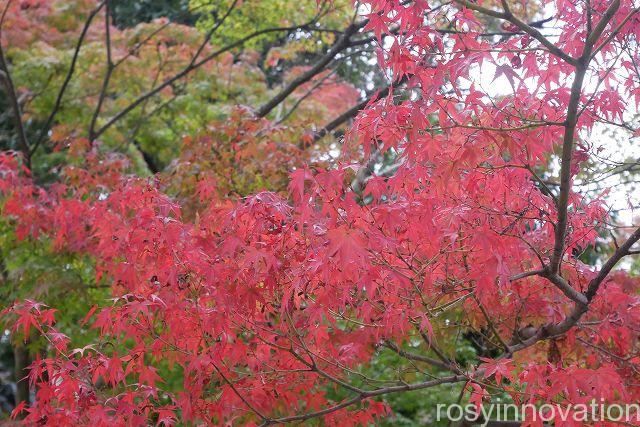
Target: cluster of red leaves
267	304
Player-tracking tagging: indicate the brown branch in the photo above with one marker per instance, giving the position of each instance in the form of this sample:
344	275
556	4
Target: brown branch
533	32
67	80
566	288
433	346
134	49
5	76
237	393
108	73
353	111
615	31
490	323
368	394
415	357
300	100
543	184
568	138
343	43
526	274
363	174
622	251
579	310
212	31
599	28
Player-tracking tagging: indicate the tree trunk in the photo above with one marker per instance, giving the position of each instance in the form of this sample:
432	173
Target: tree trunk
22	360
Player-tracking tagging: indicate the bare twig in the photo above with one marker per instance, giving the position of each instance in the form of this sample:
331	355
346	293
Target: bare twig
353	111
303	97
416	357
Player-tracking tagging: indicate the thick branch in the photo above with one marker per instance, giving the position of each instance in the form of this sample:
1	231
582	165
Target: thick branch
107	76
566	288
602	24
622	251
5	76
342	44
353	111
616	31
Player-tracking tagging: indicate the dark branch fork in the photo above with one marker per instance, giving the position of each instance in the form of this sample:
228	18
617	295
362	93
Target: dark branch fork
194	64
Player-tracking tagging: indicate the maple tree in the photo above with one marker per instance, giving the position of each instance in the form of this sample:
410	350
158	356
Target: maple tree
270	305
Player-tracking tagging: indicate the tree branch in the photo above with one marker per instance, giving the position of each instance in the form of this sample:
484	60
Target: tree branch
622	251
533	32
367	394
303	97
580	309
568	139
416	357
353	111
67	80
5	76
107	76
615	31
188	69
342	44
212	31
566	288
